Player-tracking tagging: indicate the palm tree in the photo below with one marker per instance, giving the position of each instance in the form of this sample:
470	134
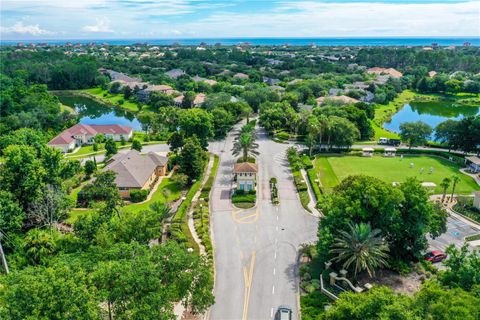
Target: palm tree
163	210
445	184
313	128
361	247
245	145
455	180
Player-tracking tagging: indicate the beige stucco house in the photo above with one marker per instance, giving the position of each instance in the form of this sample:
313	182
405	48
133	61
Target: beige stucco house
136	171
246	175
81	134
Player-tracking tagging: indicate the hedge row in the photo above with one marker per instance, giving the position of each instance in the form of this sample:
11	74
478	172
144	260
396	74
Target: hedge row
179	230
201	213
237	198
312	176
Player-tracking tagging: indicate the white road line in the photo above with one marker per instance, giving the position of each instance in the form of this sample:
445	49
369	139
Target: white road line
277	217
273	271
273	289
275	255
271	313
276	228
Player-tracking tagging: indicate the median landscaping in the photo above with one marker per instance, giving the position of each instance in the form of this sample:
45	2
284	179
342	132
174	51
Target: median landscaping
244	199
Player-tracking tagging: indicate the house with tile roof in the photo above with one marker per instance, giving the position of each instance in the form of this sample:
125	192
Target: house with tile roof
246	175
136	171
81	134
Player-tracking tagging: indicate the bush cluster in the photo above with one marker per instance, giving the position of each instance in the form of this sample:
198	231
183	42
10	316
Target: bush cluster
138	195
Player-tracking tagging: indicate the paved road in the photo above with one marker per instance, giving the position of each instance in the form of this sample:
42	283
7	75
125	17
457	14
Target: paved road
457	230
256	249
161	147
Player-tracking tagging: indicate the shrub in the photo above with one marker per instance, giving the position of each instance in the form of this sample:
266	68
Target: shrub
307	163
243	197
138	195
282	135
180	179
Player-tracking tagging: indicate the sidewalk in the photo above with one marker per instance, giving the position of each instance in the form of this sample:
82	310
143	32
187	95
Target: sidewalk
313	200
190	221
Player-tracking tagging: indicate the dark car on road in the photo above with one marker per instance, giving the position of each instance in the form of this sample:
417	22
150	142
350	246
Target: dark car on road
283	313
435	256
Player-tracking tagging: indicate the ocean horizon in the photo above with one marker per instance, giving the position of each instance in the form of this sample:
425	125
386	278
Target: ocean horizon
325	41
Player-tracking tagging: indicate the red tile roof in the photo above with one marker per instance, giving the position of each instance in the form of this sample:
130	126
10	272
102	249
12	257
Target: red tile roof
66	136
245	167
61	139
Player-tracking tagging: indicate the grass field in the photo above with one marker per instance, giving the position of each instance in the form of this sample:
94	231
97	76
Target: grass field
334	169
166	192
112	99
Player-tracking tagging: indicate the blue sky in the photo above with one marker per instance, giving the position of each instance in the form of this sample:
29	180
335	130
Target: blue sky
121	19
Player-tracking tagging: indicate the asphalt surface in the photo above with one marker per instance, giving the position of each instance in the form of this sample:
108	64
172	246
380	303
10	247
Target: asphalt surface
256	249
457	230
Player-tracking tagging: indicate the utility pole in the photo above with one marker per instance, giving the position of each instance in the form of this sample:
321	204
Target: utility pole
4	259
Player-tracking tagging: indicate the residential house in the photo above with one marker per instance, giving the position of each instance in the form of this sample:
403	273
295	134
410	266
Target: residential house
386	71
81	134
136	171
207	81
175	73
198	101
341	99
144	94
246	175
473	163
241	76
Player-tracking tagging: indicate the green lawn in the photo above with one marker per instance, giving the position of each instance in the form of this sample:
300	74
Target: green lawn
112	99
88	150
75	213
167	191
334	169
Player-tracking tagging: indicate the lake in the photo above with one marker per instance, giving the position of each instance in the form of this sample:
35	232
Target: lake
432	113
92	112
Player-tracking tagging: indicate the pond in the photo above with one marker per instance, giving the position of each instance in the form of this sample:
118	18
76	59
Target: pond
432	113
92	112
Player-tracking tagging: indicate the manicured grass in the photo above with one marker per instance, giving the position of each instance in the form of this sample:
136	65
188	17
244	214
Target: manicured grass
112	99
473	238
245	205
166	192
88	150
328	178
76	213
334	169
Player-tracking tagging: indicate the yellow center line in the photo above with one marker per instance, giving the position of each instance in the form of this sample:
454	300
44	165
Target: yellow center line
248	278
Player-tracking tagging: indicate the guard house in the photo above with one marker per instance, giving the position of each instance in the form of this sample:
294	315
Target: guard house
367	152
473	163
246	174
390	152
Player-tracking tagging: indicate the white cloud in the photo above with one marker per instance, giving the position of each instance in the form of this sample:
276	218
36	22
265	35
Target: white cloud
102	26
20	28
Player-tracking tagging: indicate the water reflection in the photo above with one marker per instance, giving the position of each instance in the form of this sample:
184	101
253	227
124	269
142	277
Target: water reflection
432	113
92	112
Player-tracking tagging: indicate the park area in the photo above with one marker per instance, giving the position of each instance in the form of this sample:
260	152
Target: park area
334	169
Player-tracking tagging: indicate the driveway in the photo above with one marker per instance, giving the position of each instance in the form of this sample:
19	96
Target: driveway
256	249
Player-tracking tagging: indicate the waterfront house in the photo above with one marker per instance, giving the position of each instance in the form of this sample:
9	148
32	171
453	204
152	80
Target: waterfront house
246	175
136	171
81	134
341	99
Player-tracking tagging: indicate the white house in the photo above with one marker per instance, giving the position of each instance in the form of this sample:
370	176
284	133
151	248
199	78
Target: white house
81	134
246	174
